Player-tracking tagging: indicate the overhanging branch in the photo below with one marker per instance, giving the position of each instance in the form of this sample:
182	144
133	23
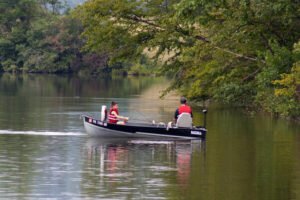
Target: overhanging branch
198	37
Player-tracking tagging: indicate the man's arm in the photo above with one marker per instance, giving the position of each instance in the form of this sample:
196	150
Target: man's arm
176	114
119	117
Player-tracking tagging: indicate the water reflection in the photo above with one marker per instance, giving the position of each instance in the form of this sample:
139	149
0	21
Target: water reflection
139	168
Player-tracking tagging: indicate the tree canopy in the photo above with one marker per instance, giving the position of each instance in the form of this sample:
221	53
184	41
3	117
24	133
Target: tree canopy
244	52
234	51
36	36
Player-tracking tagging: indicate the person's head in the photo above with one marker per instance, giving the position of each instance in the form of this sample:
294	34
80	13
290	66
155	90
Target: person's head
114	104
182	100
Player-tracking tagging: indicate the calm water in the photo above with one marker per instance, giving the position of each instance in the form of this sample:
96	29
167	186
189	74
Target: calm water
45	152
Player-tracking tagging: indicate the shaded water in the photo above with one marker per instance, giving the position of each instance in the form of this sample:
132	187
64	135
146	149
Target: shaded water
45	153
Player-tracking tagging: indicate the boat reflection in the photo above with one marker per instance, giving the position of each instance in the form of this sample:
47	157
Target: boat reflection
123	165
183	163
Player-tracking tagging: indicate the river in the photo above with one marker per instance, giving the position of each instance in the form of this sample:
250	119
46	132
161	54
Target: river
45	152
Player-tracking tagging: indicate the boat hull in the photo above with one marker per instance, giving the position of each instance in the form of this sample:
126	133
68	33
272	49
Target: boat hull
133	130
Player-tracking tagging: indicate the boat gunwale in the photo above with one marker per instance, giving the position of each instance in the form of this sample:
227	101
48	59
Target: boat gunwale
152	129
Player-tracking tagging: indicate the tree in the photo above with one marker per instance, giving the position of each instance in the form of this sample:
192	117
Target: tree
36	39
230	50
16	17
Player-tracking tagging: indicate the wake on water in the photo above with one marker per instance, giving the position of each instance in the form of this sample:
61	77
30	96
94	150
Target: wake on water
45	133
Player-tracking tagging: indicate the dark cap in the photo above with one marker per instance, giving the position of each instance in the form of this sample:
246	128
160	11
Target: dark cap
182	100
113	103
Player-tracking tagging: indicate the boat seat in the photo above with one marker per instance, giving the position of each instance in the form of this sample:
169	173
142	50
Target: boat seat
184	120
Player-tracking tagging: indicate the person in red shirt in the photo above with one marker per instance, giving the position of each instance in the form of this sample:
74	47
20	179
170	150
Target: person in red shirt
114	117
183	108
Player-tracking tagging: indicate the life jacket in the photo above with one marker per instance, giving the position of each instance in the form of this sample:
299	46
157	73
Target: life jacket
184	109
112	118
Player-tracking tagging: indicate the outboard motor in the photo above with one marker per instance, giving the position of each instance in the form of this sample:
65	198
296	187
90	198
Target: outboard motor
103	115
204	119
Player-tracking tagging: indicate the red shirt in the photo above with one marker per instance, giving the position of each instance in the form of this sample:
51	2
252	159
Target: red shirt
184	109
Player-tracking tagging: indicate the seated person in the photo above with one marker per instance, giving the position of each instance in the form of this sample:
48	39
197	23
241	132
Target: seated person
183	108
114	117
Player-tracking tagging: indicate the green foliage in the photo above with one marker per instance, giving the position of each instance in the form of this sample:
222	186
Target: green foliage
287	89
15	19
243	52
231	51
142	66
36	38
51	47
